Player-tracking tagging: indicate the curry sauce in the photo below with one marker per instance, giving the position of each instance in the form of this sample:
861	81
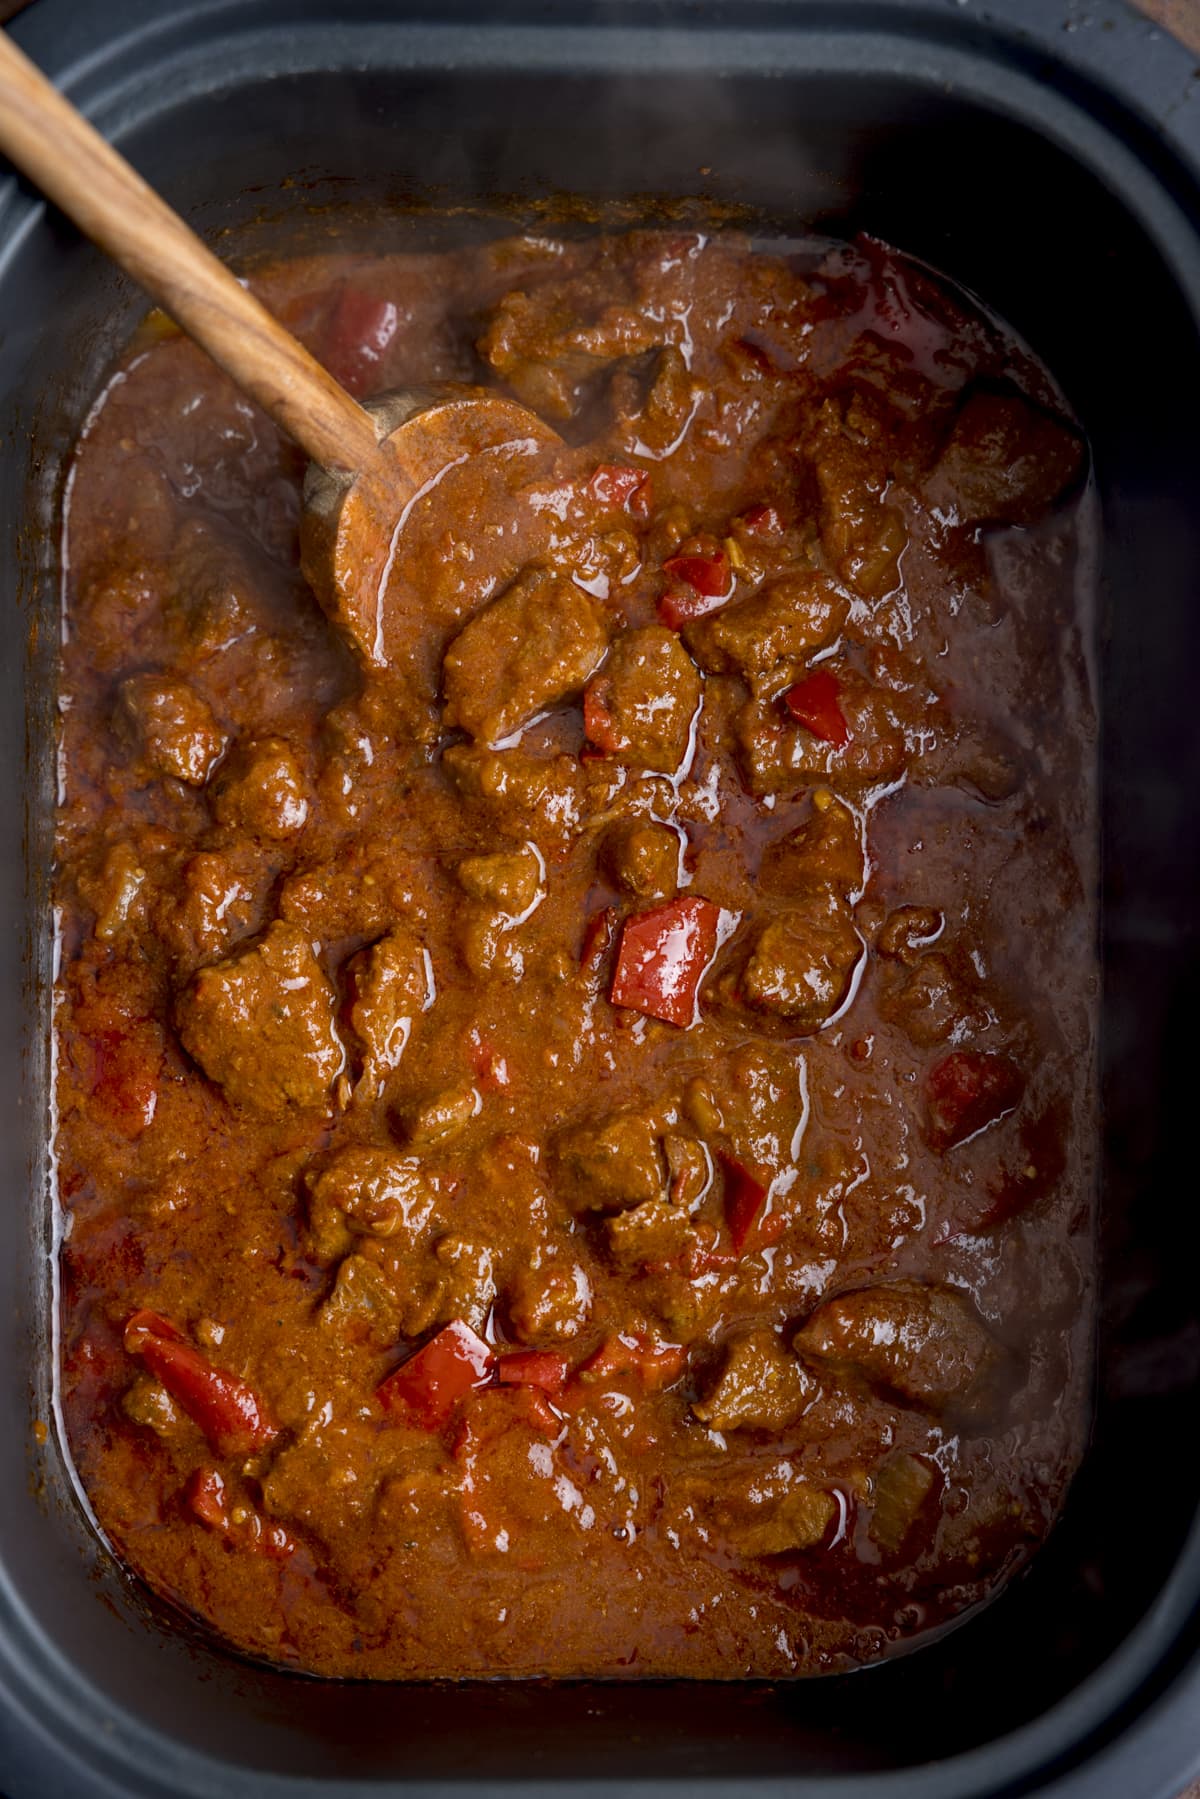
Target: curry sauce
575	1128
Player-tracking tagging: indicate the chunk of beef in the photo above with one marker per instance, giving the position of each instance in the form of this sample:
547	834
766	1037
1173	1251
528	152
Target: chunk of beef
467	1282
388	986
909	930
526	796
222	897
826	851
655	1232
174	729
899	1491
214	600
618	1162
925	1344
769	1511
261	1024
768	637
551	345
263	792
1005	461
652	419
364	1191
781	755
148	1403
760	1386
534	646
800	963
363	1304
640	708
549	1302
931	1002
117	889
644	858
750	1105
439	1116
357	893
509	880
862	536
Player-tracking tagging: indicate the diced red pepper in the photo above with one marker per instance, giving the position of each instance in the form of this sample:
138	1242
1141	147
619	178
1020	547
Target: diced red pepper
663	958
655	1365
706	571
813	702
599	935
617	486
745	1193
533	1368
426	1389
149	1324
206	1497
360	329
679	605
968	1091
230	1413
761	521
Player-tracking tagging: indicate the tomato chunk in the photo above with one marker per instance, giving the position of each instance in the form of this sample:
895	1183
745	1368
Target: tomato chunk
360	329
966	1092
617	486
426	1389
663	958
654	1365
813	702
533	1368
745	1193
230	1413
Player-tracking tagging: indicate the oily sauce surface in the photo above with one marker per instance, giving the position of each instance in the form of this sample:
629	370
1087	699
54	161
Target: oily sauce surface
575	1146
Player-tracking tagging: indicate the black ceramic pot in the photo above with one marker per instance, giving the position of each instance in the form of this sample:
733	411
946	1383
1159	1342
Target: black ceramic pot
1045	154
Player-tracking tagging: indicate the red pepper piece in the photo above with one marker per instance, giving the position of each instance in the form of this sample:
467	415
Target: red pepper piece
426	1389
966	1092
705	570
231	1415
149	1324
745	1193
206	1497
533	1368
679	605
654	1365
761	521
814	703
663	958
360	329
617	486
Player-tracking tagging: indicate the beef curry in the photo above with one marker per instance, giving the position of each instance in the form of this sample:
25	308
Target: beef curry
574	1136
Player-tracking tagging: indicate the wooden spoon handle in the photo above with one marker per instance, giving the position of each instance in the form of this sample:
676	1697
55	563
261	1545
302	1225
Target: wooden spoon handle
54	145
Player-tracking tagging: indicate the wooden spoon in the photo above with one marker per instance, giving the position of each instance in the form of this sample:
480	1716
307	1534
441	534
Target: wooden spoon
370	466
